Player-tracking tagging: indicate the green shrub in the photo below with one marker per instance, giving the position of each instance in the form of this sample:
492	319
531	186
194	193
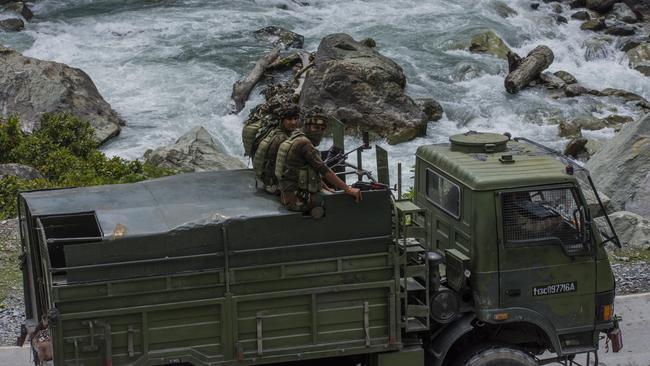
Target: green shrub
64	151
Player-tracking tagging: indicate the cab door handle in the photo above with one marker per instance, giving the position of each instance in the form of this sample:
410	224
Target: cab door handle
513	292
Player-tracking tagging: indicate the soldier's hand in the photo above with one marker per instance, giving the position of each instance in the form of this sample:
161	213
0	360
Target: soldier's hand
354	192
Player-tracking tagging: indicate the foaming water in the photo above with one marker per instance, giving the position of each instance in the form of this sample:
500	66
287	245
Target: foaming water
167	66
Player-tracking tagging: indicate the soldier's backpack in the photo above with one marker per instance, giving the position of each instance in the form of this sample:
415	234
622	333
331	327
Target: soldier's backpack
308	178
261	158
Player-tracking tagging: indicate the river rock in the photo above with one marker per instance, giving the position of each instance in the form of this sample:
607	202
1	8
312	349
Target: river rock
630	44
278	35
574	90
19	171
589	123
581	15
567	77
12	25
621	168
363	88
369	42
596	48
633	230
30	87
620	31
617	119
568	129
504	10
576	147
623	13
21	8
557	8
577	4
640	58
560	19
623	94
594	25
601	6
432	109
196	151
534	6
489	42
551	80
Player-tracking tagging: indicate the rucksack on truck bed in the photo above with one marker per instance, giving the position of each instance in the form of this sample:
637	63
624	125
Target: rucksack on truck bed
205	268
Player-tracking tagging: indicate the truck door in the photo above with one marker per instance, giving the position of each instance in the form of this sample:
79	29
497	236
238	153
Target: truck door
546	262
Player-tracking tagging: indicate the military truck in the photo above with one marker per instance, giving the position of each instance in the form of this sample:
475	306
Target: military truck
495	261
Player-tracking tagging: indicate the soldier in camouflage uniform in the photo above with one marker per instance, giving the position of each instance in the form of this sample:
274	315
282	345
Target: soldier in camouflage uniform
267	149
300	169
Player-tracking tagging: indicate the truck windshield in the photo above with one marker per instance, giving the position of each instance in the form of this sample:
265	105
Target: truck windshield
544	215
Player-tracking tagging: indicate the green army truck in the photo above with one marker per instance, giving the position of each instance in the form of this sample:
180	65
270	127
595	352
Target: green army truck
495	261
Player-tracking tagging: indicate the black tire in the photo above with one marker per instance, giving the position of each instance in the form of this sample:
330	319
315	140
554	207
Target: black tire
497	355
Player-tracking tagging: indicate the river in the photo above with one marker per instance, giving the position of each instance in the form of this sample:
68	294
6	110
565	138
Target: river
167	66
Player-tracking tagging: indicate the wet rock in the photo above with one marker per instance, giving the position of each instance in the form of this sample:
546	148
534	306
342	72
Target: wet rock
466	71
552	81
629	44
369	42
623	94
560	19
363	88
19	171
567	77
621	168
21	8
432	109
633	230
639	58
488	42
620	31
589	123
534	6
557	8
601	6
574	90
577	4
576	147
504	10
594	25
278	35
12	25
617	119
568	129
581	15
30	87
196	151
623	13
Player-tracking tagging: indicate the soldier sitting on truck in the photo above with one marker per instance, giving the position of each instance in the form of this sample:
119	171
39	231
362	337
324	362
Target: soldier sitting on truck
267	149
300	169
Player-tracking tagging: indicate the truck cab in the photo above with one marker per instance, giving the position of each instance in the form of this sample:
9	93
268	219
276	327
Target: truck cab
512	221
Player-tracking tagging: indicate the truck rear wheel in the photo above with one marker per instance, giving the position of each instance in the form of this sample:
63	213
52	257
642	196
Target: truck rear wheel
497	355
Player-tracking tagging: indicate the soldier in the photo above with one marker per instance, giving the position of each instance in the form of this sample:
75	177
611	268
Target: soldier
300	169
267	149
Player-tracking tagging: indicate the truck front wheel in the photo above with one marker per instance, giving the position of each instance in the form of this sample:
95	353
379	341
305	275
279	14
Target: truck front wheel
497	355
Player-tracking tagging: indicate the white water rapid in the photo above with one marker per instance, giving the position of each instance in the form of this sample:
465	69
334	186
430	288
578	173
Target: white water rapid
167	66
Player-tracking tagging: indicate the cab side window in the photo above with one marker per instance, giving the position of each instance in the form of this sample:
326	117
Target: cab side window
443	193
545	215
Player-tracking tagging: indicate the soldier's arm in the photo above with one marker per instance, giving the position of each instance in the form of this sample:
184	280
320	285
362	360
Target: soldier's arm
312	156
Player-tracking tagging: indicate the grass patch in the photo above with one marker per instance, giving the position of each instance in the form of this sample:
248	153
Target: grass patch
64	150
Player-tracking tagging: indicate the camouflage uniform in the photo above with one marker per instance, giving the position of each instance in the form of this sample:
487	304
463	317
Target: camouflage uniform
299	168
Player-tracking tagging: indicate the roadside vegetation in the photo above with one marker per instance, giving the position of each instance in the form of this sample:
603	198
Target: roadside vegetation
64	151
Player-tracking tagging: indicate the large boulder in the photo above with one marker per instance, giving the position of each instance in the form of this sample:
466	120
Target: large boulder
30	87
633	230
196	150
488	42
19	171
363	89
639	58
621	168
